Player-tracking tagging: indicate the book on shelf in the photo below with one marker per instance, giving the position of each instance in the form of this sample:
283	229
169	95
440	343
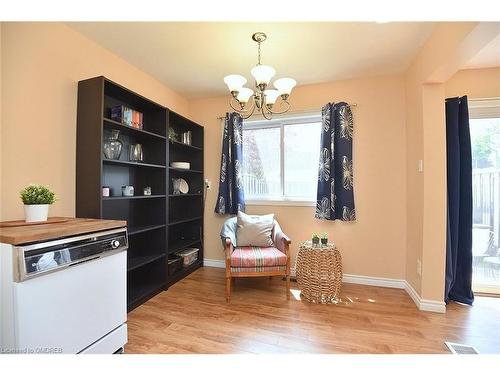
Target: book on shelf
127	116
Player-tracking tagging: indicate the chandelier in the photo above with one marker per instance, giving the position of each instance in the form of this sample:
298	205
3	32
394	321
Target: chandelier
245	101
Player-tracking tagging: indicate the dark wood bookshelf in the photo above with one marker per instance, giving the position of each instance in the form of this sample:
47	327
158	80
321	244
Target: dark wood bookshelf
185	220
184	272
112	124
184	145
157	224
185	216
182	244
182	170
134	197
139	261
132	163
142	291
184	195
144	228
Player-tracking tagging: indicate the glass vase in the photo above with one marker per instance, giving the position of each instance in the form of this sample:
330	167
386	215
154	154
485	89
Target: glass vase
112	147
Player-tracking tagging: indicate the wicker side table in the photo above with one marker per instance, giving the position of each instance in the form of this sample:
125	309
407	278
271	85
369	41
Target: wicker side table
319	272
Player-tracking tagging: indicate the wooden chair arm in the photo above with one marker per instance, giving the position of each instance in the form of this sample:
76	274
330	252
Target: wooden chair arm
286	239
282	242
228	247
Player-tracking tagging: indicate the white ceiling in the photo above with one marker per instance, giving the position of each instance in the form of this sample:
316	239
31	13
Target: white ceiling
192	58
488	57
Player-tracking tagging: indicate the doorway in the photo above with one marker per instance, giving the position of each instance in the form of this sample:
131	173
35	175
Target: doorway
485	142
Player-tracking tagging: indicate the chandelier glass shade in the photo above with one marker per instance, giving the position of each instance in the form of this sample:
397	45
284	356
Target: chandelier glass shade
245	100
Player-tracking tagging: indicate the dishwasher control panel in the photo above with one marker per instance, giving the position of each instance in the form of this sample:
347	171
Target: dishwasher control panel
41	258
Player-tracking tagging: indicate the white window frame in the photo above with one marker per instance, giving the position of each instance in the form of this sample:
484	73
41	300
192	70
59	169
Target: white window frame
280	122
484	108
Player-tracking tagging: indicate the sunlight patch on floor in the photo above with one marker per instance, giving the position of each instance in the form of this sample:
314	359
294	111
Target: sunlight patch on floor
295	294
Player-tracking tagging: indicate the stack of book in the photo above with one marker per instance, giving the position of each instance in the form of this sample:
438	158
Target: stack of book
127	116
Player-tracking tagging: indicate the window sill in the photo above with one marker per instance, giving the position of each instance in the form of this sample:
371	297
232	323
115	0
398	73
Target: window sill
280	203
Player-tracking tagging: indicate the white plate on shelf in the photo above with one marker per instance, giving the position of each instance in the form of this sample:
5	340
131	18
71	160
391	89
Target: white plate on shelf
180	164
183	187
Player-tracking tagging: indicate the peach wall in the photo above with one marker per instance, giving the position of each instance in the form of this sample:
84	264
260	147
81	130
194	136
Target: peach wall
475	83
42	63
434	189
450	46
375	245
433	55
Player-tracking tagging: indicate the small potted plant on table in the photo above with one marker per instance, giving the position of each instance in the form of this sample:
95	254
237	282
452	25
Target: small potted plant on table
36	199
315	239
324	239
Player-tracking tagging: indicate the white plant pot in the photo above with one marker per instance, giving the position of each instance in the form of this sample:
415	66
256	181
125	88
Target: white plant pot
36	212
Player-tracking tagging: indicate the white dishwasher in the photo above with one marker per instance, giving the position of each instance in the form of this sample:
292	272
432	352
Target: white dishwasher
65	296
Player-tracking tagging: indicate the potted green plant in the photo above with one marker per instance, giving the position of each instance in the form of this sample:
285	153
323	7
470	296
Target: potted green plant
36	199
315	239
324	239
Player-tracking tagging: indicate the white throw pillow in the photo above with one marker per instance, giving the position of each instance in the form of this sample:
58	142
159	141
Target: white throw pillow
255	230
243	218
255	234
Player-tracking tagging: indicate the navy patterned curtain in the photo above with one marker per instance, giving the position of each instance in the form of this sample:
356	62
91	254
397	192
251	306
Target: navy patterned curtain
231	198
335	198
458	284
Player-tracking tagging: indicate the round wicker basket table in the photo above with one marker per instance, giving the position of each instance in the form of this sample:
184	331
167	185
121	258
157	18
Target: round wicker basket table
319	272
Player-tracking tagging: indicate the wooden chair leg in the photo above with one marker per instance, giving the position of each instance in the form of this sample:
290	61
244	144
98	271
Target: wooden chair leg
228	289
288	287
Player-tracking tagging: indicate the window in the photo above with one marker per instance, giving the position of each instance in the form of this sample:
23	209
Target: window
280	160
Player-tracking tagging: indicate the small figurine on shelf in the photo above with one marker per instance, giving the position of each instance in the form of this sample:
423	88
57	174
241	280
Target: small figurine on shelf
127	191
324	239
172	135
315	239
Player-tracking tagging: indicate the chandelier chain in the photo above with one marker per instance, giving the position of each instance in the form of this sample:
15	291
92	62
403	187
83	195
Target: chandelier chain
259	54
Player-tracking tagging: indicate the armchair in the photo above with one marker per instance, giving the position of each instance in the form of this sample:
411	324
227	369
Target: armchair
250	261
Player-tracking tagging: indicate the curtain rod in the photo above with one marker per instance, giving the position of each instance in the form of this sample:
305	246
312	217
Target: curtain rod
307	111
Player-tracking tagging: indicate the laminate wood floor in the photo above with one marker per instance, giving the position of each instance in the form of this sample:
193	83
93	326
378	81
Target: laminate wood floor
193	317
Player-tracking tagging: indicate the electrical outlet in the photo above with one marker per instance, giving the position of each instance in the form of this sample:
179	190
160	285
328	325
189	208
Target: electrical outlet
419	267
208	183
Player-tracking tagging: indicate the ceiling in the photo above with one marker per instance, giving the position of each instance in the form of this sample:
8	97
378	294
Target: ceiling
488	57
192	58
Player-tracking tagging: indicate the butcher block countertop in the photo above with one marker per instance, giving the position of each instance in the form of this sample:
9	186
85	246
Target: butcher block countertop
16	233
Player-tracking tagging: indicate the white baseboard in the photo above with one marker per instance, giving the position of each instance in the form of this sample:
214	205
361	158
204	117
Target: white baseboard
422	304
374	281
425	304
214	263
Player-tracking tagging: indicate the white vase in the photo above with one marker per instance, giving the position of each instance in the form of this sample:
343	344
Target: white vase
36	212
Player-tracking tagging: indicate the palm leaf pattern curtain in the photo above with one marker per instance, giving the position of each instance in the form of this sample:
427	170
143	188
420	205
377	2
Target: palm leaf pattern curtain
335	197
231	198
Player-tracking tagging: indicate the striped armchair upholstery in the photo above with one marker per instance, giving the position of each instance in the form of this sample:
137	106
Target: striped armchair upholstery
251	261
